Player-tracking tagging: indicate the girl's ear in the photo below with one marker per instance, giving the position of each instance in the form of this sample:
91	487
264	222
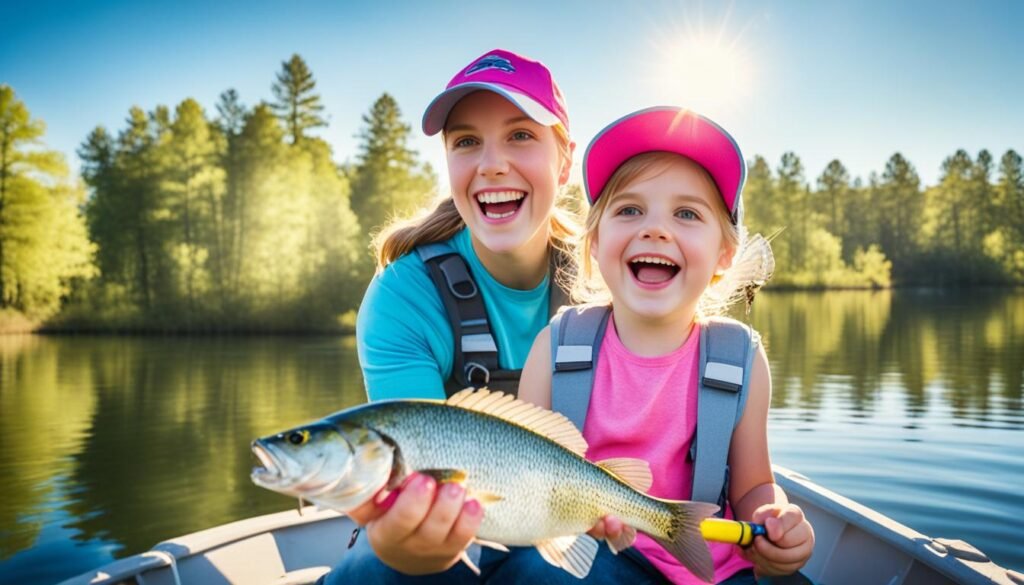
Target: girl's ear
725	258
563	175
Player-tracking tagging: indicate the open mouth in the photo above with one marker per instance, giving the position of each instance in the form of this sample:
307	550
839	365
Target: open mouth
653	269
499	205
270	470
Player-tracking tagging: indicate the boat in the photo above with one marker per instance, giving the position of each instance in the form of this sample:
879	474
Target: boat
853	545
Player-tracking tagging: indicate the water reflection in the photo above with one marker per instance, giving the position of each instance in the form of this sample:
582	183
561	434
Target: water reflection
136	440
907	401
969	346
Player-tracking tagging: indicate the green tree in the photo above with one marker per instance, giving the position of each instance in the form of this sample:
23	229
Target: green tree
833	189
899	210
193	186
388	177
43	243
297	105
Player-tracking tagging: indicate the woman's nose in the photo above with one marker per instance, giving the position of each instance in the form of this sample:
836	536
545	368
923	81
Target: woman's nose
493	161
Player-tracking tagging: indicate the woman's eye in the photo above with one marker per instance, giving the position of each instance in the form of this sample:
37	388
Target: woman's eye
521	135
463	142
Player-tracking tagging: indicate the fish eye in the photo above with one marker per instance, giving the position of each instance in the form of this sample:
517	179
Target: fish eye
298	437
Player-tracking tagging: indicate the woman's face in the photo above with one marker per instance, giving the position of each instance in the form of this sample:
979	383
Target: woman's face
659	242
504	170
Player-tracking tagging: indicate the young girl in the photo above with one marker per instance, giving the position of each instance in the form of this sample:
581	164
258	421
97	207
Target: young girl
462	292
664	227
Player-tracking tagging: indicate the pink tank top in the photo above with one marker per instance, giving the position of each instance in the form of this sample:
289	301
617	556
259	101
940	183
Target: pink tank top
646	407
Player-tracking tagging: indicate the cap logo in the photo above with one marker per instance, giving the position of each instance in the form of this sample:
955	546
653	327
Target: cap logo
491	62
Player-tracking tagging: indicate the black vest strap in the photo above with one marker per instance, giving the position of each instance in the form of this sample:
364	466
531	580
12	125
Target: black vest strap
475	360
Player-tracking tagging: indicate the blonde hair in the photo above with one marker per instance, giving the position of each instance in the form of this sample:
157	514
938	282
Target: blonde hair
440	223
722	291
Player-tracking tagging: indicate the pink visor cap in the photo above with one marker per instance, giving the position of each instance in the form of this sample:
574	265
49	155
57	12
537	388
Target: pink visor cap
526	83
668	129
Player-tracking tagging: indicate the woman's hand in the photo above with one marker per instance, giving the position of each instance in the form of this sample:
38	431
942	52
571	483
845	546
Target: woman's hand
422	527
789	544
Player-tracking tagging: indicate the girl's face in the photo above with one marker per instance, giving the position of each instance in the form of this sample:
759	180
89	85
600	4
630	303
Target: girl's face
659	243
505	171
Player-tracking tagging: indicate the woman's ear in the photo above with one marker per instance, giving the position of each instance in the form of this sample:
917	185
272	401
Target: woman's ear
563	175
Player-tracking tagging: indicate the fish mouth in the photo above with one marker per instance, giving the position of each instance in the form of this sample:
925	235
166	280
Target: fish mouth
270	471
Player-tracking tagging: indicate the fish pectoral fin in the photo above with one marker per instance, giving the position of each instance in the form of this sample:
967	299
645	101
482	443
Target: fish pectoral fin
446	475
624	541
484	497
464	557
491	544
574	553
635	472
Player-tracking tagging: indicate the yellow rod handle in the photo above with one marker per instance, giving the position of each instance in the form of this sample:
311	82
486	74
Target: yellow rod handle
730	531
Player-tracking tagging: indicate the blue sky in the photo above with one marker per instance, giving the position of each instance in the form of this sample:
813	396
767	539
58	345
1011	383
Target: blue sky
856	81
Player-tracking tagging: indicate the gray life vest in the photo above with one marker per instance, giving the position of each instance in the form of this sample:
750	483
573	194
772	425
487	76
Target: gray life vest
475	357
727	349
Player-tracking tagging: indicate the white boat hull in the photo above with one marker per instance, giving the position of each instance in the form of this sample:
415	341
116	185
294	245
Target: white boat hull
854	546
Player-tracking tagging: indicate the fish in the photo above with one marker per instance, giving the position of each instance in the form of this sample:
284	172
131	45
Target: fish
526	465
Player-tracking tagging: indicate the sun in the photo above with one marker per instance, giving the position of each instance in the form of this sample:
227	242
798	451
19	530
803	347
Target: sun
704	72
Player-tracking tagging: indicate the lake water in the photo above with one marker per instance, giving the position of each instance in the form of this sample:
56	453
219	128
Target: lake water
907	401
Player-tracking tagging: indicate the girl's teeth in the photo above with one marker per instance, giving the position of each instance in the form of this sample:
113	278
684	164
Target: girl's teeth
653	260
500	196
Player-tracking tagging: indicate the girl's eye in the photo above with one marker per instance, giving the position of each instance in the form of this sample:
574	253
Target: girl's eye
628	210
687	214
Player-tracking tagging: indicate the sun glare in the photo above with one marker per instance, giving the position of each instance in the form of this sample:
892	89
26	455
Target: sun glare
703	72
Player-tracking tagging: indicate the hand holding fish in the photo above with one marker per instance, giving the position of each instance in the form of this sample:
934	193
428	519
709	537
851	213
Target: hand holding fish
789	542
427	527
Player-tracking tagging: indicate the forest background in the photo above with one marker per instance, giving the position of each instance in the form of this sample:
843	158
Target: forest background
239	219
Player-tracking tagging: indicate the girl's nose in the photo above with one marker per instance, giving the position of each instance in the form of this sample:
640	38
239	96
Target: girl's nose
653	230
492	161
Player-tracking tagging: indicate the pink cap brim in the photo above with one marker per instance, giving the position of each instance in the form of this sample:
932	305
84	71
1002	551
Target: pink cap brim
437	112
671	130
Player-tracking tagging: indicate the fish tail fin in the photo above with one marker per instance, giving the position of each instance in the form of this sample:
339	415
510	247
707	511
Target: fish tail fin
684	540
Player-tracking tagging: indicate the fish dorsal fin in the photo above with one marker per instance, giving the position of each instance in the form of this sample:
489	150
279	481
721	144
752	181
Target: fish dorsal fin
574	553
539	420
635	472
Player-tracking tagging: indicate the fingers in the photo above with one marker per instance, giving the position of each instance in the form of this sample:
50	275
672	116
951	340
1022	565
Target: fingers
438	522
409	510
607	528
466	525
789	544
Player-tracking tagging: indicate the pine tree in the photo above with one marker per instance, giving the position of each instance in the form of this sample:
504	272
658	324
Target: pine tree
297	106
388	178
833	188
899	210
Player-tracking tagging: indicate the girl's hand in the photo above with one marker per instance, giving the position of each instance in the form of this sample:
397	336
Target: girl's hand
421	528
789	544
607	528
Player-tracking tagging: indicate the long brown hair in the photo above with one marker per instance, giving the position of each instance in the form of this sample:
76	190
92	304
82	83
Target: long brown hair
442	221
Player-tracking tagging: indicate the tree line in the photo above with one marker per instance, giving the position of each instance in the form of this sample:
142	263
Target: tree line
239	219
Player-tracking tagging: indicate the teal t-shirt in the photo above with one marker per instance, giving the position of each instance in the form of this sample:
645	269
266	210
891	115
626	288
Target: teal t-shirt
403	335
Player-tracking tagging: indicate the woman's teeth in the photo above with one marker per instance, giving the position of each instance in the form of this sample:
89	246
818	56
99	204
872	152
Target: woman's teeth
500	204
